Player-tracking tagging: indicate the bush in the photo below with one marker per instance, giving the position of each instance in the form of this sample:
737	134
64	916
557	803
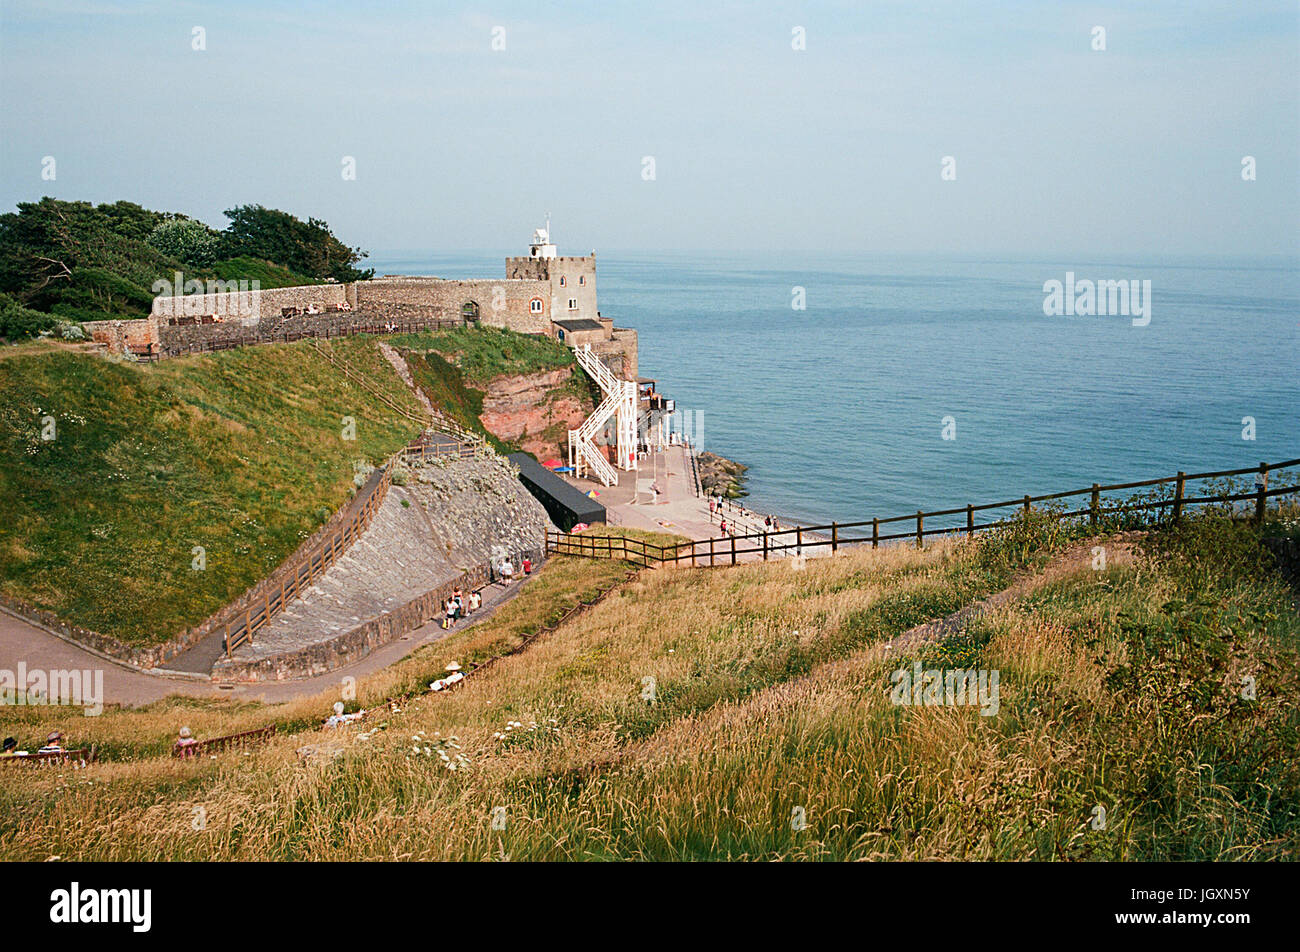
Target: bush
97	290
188	240
18	322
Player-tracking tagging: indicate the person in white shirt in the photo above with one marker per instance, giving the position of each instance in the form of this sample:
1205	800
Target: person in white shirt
507	571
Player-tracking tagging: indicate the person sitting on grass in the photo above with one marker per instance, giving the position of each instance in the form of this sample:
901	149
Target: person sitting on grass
53	743
11	749
185	740
338	719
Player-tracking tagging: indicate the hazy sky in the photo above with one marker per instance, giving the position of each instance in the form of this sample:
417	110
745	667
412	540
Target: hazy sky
757	146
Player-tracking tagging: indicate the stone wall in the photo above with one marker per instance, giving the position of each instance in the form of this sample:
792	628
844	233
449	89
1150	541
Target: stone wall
312	660
500	303
476	511
249	307
137	334
184	338
478	507
622	347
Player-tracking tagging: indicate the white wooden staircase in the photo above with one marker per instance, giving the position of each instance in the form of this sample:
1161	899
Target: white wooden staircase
585	456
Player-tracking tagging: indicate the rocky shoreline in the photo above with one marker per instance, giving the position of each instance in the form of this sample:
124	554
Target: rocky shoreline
721	475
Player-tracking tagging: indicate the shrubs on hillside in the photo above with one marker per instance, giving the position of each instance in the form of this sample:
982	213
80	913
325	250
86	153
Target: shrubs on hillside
18	322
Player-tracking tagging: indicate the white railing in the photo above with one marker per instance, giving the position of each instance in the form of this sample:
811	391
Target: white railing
620	402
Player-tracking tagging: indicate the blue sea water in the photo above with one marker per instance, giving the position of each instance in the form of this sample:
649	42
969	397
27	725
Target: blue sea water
838	409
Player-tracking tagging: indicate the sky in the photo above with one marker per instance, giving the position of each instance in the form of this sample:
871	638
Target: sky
757	146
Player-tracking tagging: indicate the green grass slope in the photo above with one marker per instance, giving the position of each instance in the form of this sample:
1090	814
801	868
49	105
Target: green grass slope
456	369
240	452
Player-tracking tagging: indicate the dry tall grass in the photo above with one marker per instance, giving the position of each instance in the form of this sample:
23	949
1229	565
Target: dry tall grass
770	707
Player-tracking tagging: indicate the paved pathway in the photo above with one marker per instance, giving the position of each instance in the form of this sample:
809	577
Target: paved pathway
677	508
23	642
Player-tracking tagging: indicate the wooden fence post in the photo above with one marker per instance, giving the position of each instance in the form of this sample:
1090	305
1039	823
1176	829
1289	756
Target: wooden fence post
764	545
710	551
1095	515
835	537
1026	505
733	550
920	528
970	520
875	533
798	540
1178	495
1260	499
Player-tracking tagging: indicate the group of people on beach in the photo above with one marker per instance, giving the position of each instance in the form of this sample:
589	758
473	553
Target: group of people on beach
716	504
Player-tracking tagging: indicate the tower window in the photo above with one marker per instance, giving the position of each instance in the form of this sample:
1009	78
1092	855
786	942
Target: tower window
535	305
582	279
573	304
561	280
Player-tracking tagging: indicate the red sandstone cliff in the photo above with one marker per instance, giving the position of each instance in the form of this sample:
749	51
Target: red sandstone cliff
536	411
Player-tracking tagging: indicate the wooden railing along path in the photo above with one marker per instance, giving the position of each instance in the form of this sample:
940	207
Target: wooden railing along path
77	757
241	628
203	748
726	550
423	419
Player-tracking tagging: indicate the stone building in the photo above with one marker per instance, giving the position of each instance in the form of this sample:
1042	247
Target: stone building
542	293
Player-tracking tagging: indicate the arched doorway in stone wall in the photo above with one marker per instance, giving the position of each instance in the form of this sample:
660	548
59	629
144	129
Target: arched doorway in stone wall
469	311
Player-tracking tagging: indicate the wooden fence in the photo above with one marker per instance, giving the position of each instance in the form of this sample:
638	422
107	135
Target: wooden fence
423	418
77	758
259	735
256	616
726	550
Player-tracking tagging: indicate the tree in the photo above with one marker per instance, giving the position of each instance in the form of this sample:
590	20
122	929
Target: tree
188	240
304	247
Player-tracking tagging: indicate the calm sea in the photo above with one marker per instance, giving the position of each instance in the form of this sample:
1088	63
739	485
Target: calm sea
839	409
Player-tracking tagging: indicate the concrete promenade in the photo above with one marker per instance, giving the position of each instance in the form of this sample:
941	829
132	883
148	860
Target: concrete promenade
677	509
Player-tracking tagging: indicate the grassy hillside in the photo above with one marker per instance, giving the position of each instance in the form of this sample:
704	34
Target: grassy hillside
1119	688
240	452
486	352
267	273
456	368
